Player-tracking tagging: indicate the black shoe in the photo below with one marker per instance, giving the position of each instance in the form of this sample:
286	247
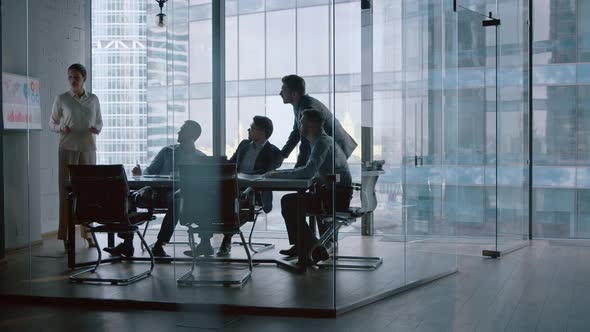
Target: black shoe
204	248
188	253
123	249
158	251
291	252
225	248
319	254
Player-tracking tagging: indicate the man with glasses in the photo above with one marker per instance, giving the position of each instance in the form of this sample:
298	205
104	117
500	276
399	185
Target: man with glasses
255	155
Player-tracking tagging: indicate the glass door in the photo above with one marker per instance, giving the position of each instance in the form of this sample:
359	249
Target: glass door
489	157
427	73
473	157
512	127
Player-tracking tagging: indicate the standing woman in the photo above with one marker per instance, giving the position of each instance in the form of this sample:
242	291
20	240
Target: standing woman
76	117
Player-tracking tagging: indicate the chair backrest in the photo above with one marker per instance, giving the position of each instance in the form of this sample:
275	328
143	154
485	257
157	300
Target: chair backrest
100	193
368	195
209	194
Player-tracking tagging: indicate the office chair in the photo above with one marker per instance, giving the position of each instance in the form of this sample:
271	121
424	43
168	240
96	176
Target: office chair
210	205
100	202
161	210
346	218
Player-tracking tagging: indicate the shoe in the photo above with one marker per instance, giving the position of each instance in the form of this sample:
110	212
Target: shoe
123	249
204	248
330	246
188	253
158	251
319	254
291	252
225	248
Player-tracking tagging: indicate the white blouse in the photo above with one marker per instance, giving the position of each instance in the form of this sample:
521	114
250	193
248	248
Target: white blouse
80	114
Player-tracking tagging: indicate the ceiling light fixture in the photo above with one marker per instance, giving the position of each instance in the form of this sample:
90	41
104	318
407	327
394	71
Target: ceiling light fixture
161	17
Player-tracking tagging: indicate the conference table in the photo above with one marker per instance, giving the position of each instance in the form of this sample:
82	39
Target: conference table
257	183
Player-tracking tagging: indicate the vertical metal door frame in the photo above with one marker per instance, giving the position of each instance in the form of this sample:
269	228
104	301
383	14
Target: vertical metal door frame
530	97
2	227
218	79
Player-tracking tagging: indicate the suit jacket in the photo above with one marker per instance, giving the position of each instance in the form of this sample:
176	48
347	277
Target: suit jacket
268	159
342	138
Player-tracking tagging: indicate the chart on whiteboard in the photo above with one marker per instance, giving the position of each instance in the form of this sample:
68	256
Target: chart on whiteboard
21	102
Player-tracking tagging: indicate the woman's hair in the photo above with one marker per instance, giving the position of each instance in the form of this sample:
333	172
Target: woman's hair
79	68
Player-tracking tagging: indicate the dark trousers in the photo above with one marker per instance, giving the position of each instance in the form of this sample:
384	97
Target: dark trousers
146	197
312	202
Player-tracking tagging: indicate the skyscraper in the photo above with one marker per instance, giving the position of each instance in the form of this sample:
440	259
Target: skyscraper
119	58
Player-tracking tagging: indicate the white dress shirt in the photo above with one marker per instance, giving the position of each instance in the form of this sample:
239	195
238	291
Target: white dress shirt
80	114
248	162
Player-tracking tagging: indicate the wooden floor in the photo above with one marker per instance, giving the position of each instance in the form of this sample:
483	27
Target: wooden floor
269	286
542	287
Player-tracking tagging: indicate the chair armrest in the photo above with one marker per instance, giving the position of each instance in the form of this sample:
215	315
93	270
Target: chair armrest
147	204
247	193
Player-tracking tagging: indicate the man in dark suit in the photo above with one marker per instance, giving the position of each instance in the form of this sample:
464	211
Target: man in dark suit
255	155
293	92
163	164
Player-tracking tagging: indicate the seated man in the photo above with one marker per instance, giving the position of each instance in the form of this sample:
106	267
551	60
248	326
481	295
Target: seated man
318	166
255	155
163	164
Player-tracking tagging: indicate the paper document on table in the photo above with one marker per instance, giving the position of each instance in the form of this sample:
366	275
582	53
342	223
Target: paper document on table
250	177
157	176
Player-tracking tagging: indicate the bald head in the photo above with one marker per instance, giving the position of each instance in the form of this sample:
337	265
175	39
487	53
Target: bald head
189	132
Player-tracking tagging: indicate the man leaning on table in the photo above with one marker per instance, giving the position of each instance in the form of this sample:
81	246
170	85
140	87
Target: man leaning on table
322	155
163	164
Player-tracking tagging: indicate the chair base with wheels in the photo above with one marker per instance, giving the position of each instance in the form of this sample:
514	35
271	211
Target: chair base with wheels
189	278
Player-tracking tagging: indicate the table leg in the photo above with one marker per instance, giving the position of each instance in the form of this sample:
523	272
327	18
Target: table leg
71	237
110	240
301	252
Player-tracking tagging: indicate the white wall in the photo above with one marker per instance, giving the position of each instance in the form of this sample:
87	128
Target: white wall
58	35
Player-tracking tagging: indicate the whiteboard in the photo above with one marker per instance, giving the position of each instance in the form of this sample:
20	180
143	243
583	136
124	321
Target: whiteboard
21	102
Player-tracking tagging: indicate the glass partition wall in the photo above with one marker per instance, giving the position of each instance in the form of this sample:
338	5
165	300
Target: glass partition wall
19	232
492	122
438	160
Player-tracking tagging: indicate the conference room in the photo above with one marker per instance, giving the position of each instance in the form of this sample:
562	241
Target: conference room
289	157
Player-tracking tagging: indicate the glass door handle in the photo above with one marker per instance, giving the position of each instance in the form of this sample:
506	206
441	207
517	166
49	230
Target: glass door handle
418	160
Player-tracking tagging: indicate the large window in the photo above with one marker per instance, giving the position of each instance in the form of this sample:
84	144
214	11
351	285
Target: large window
268	39
561	147
119	61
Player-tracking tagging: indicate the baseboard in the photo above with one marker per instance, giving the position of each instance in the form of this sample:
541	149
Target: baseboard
15	249
49	235
114	304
